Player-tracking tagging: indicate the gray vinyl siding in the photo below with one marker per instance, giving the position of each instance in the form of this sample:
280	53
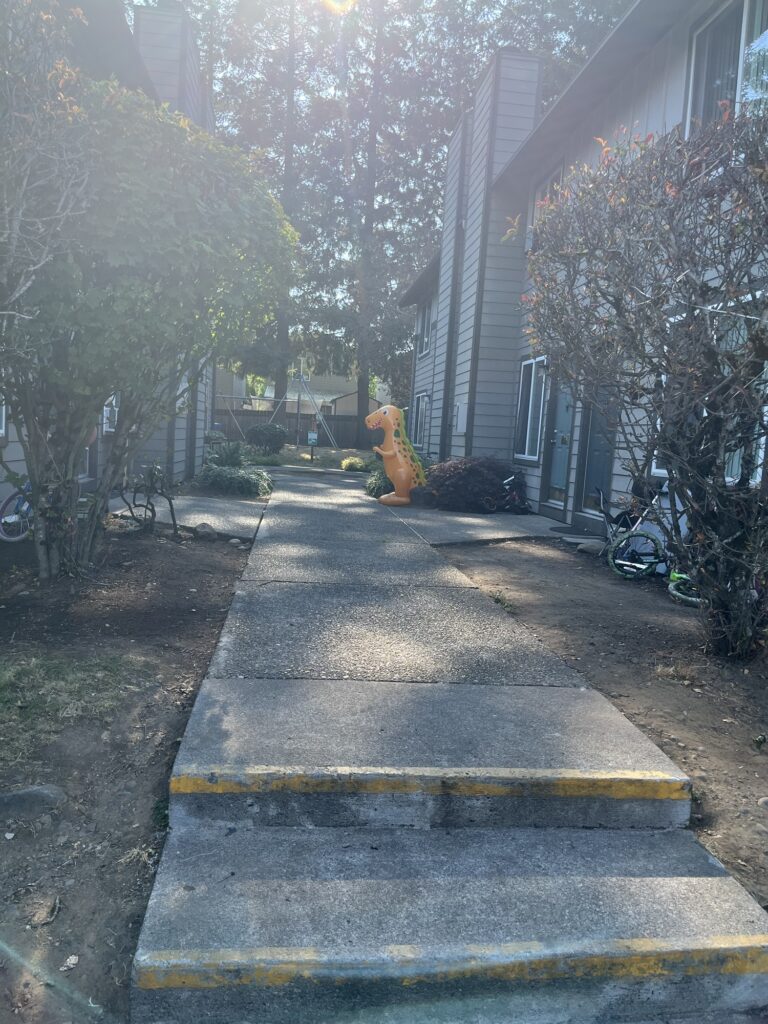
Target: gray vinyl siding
450	256
154	451
500	338
177	457
166	42
504	274
517	105
204	409
477	187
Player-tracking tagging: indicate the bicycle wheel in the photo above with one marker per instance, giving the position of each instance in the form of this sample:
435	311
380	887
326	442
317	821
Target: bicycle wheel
684	591
635	554
15	518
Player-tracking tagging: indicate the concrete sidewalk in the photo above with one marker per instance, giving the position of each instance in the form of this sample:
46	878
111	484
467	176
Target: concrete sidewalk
437	527
230	516
393	805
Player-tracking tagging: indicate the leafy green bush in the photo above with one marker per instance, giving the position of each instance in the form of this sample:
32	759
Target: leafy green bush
214	437
378	483
269	438
354	464
247	482
228	454
461	485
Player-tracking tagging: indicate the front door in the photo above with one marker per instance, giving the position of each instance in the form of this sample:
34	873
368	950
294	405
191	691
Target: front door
557	451
595	467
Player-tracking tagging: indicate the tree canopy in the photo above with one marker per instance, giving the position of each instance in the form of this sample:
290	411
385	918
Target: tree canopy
177	250
349	106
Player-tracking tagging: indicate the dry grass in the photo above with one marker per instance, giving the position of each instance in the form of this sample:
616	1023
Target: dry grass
41	692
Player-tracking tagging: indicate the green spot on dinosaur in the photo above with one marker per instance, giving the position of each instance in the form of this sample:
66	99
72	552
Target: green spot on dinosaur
397	433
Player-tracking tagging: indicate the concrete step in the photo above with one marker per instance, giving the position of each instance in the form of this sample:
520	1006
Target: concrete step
470	926
349	752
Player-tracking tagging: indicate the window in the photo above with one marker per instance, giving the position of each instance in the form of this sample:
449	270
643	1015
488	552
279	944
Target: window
427	325
730	61
419	422
84	469
754	76
184	394
545	193
530	407
109	414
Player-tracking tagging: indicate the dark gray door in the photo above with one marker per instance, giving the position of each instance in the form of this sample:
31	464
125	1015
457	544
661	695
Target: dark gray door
557	450
595	458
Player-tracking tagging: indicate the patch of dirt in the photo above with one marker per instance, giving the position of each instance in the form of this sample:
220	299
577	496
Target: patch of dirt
74	882
645	653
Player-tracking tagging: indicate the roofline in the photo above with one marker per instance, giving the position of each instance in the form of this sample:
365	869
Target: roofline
644	24
425	279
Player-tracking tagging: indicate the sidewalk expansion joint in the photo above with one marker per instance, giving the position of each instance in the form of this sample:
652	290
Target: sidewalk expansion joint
372	584
356	676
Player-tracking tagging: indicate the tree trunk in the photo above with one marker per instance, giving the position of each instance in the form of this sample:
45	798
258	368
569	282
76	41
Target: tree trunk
363	402
366	268
281	386
287	199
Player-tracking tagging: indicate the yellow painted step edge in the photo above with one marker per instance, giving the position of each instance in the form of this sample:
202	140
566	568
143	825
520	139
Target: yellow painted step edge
466	782
410	965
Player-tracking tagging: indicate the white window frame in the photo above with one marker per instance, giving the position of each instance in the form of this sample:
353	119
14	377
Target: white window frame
111	405
427	325
746	6
3	421
421	405
87	463
532	362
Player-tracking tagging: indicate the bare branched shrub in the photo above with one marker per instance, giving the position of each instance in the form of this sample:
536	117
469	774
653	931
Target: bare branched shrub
649	296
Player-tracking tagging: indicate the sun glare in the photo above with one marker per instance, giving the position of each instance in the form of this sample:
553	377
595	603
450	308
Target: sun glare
339	6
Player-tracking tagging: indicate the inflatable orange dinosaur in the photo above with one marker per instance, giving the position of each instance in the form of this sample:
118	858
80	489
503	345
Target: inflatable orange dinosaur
401	463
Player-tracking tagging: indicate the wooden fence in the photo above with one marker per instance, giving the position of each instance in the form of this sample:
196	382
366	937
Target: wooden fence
236	423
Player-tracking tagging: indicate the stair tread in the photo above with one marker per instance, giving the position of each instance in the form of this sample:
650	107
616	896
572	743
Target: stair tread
367	902
244	732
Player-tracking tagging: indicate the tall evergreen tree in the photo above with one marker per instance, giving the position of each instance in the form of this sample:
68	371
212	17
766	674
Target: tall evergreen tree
350	105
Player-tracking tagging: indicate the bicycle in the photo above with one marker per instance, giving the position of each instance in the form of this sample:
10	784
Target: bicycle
514	498
633	552
16	515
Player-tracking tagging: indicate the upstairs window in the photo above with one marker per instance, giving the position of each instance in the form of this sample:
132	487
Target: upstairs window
730	61
545	193
427	325
419	424
109	414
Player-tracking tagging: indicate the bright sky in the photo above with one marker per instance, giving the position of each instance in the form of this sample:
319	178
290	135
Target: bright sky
339	6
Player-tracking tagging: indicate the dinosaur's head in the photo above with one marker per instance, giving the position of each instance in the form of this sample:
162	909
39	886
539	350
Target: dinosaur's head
387	418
